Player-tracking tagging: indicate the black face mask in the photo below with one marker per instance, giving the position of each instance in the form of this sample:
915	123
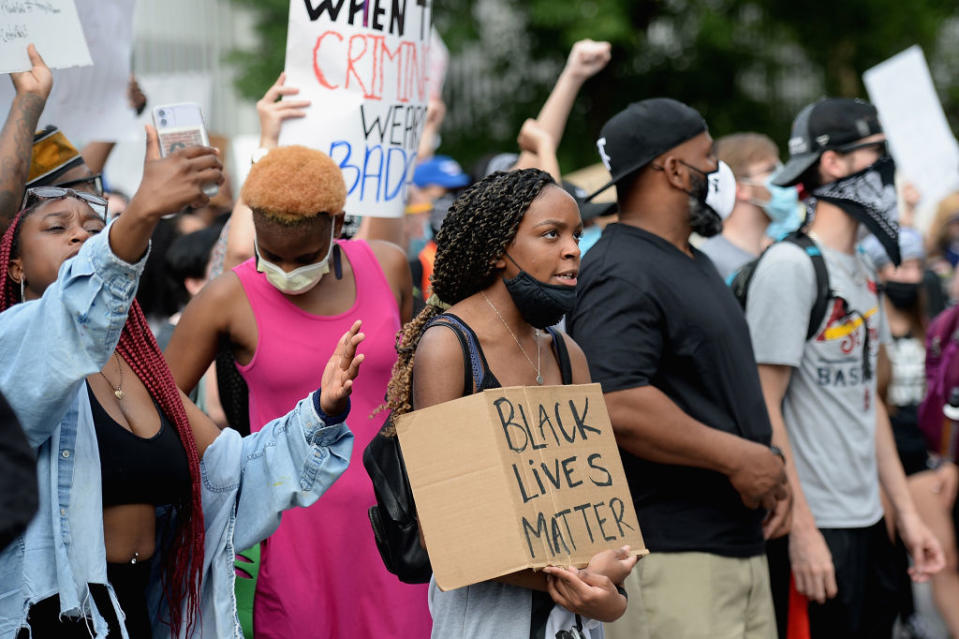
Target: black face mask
903	295
869	197
539	303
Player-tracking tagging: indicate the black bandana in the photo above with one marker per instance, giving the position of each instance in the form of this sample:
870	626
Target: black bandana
869	197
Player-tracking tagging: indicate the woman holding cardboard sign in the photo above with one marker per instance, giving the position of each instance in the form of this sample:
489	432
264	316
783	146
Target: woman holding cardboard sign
505	271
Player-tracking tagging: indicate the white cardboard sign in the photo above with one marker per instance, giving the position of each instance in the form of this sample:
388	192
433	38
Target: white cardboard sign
365	67
52	25
91	103
924	147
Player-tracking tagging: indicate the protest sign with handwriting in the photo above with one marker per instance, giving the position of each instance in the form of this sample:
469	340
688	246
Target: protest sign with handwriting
52	25
516	478
364	65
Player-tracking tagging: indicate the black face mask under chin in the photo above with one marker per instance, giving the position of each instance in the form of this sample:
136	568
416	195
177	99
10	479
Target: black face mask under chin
539	303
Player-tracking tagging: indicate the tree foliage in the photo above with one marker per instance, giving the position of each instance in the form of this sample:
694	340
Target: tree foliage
745	64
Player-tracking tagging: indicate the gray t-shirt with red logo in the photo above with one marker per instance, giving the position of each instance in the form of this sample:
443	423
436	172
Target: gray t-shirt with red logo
829	407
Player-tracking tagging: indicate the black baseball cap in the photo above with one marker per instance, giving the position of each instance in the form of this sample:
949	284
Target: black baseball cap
642	131
822	126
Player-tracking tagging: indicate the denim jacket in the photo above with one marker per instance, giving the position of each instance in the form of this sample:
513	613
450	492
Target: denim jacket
48	347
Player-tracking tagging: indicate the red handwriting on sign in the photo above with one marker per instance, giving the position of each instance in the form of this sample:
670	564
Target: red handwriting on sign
369	62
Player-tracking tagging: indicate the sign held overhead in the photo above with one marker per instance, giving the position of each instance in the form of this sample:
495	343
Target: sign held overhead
53	26
364	66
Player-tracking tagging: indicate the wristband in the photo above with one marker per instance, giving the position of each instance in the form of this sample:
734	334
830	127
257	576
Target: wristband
776	450
329	420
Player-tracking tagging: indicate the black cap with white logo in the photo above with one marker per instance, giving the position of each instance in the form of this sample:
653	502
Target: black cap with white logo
826	125
641	132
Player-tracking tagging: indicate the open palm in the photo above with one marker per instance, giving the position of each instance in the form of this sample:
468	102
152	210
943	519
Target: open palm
341	370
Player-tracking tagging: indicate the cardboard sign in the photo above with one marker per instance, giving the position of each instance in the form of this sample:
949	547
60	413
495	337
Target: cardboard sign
516	478
364	66
921	141
52	25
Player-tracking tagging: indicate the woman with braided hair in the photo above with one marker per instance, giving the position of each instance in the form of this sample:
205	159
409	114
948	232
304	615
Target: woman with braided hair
142	497
505	271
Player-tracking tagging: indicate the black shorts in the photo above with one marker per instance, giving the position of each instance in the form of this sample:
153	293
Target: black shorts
867	577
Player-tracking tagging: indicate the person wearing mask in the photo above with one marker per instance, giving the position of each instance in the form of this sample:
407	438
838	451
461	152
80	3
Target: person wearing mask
280	313
482	293
665	337
763	212
141	496
902	386
821	392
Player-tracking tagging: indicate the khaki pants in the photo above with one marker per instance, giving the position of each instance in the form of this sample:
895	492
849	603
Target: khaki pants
696	595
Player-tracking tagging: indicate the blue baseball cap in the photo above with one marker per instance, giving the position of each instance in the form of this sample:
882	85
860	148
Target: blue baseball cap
441	170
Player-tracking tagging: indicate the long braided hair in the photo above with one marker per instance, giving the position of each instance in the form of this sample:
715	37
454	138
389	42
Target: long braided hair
480	224
138	347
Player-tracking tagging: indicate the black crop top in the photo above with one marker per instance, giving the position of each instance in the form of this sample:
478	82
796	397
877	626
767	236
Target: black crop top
140	470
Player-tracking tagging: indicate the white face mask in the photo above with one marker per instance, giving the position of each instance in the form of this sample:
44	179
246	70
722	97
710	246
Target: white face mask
721	190
297	281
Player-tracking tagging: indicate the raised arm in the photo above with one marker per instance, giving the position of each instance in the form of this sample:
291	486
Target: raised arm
586	59
16	138
73	328
273	111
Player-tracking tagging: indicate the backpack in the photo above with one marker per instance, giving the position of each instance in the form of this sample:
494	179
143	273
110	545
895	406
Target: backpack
393	518
942	375
740	280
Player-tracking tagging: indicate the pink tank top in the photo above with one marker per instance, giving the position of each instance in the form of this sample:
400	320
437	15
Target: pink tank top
321	575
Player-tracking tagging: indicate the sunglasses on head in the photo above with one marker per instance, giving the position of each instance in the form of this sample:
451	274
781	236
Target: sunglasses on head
879	145
95	181
38	193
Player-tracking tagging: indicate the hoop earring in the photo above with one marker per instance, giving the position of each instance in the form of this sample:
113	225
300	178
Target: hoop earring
337	262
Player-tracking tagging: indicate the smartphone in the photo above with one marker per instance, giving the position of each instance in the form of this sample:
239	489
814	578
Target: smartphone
179	126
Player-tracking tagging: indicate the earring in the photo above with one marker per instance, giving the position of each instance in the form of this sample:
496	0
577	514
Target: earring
22	297
337	263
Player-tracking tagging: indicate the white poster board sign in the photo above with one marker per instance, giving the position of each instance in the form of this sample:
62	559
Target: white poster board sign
52	25
921	141
365	67
90	103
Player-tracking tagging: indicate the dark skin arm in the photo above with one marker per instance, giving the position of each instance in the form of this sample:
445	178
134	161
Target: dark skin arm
650	425
193	346
16	138
397	271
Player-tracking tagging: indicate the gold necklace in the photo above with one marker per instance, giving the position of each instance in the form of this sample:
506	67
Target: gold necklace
118	389
537	367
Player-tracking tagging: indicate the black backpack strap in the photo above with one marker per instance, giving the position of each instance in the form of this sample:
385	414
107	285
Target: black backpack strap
472	361
562	354
823	292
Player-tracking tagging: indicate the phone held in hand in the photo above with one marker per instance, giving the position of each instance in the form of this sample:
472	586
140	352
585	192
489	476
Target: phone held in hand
179	126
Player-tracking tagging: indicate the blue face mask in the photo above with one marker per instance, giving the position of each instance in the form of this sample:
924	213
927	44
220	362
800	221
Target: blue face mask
590	235
782	208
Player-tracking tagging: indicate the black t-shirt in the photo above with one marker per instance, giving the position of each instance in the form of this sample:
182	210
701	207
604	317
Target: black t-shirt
648	314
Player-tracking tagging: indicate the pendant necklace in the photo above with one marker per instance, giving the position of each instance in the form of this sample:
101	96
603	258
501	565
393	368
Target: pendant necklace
118	389
537	367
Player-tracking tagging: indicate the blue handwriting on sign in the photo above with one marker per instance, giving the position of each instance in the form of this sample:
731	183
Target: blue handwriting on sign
379	172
